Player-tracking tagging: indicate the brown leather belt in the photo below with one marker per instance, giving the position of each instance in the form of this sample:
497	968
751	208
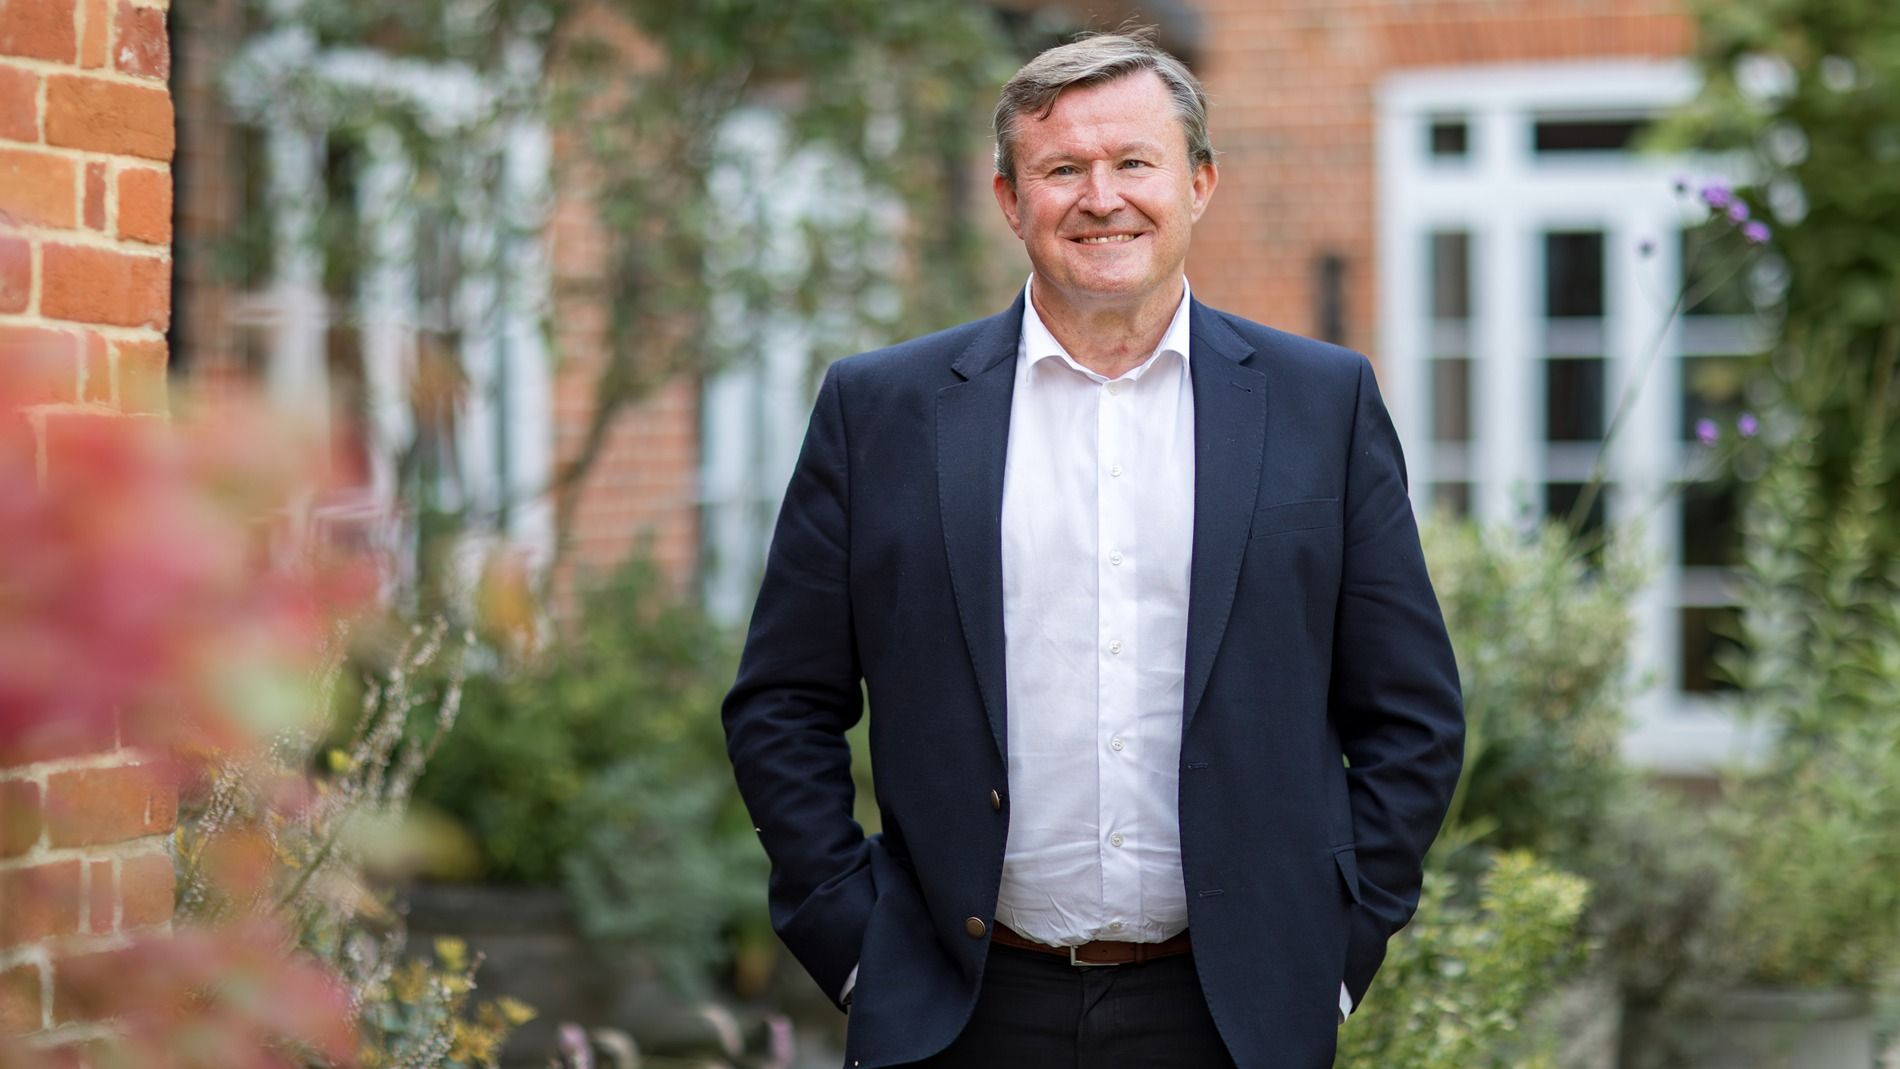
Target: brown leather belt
1099	951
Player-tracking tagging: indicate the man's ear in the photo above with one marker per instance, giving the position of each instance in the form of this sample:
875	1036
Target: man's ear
1006	199
1206	177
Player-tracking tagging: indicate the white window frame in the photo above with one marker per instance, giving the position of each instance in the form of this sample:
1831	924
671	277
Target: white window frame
502	352
1505	196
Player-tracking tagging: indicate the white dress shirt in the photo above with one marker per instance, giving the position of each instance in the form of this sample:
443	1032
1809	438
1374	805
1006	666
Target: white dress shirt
1097	541
1098	532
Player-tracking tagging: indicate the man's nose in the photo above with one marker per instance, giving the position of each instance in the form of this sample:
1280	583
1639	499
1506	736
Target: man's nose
1100	196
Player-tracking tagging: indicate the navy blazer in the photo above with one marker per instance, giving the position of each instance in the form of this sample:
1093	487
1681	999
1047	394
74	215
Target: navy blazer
1322	729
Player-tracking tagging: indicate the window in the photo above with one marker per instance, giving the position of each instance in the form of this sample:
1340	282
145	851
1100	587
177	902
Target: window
1450	139
1573	134
1520	293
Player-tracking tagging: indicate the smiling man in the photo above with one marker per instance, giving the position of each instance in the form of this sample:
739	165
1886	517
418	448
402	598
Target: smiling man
1163	714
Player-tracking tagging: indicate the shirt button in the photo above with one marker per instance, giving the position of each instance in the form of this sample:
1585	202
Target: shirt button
1115	840
1114	558
1115	470
1115	743
1115	387
1115	646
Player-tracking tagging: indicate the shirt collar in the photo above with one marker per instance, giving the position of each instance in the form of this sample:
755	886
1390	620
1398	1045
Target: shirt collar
1037	344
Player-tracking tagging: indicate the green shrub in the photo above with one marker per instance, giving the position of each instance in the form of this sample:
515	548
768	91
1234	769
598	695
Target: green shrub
1542	640
1816	827
1461	981
600	766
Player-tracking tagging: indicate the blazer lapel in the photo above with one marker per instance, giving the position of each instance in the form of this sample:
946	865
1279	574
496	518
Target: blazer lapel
972	441
1230	435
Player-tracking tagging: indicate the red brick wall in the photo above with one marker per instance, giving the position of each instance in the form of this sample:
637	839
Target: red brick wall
85	289
643	486
1291	83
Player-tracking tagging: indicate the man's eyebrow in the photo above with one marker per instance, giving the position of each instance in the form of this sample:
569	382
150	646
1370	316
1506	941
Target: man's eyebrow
1122	151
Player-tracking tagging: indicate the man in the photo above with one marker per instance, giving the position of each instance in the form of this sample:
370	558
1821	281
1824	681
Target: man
1163	714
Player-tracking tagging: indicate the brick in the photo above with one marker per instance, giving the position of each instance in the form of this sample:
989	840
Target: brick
38	902
19	104
16	273
38	29
88	285
95	198
96	362
57	737
108	805
102	899
36	188
100	116
42	366
19	817
142	383
142	47
147	890
83	984
145	205
96	43
20	1000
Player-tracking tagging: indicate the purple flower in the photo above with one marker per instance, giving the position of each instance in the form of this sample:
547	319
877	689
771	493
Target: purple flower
1717	196
1747	426
1738	211
1707	432
1756	232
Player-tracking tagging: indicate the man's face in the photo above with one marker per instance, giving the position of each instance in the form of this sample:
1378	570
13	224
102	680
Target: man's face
1105	198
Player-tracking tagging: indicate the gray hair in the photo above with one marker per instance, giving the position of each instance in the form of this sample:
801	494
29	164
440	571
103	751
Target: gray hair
1097	59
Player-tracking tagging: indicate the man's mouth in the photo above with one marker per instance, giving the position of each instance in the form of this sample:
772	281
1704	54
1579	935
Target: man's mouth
1107	239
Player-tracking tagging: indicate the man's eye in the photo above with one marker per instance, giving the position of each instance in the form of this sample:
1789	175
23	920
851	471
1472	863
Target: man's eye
1134	163
1065	170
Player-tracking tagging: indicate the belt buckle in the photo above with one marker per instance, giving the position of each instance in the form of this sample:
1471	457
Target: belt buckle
1080	964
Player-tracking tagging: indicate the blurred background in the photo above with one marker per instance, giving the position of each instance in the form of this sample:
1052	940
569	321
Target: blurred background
557	279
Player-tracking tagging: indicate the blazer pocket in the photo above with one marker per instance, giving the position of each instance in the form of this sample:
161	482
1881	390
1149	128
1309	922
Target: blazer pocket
1346	859
1290	516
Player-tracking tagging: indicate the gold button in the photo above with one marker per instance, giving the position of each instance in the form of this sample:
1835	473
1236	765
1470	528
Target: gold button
996	801
975	927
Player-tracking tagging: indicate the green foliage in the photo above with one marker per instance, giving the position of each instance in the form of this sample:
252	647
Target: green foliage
600	765
291	835
1461	980
1817	827
1808	93
1542	642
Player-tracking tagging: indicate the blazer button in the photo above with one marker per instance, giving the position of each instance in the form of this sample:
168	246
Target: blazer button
996	801
974	926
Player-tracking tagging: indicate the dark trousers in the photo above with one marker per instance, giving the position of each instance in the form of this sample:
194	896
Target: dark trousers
1036	1011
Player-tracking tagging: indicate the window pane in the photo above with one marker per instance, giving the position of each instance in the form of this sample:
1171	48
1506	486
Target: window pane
1711	389
1573	400
1573	273
1450	138
1560	500
1454	498
1707	635
1712	283
1555	135
1451	275
1451	400
1709	535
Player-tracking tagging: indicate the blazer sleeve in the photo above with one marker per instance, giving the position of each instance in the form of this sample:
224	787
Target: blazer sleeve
1395	697
796	693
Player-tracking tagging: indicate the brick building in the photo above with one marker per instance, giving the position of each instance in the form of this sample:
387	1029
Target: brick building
85	278
1447	185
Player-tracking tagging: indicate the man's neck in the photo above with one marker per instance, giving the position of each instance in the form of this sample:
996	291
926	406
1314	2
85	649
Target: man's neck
1109	340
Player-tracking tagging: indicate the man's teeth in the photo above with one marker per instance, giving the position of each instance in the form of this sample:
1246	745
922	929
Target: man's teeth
1109	239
